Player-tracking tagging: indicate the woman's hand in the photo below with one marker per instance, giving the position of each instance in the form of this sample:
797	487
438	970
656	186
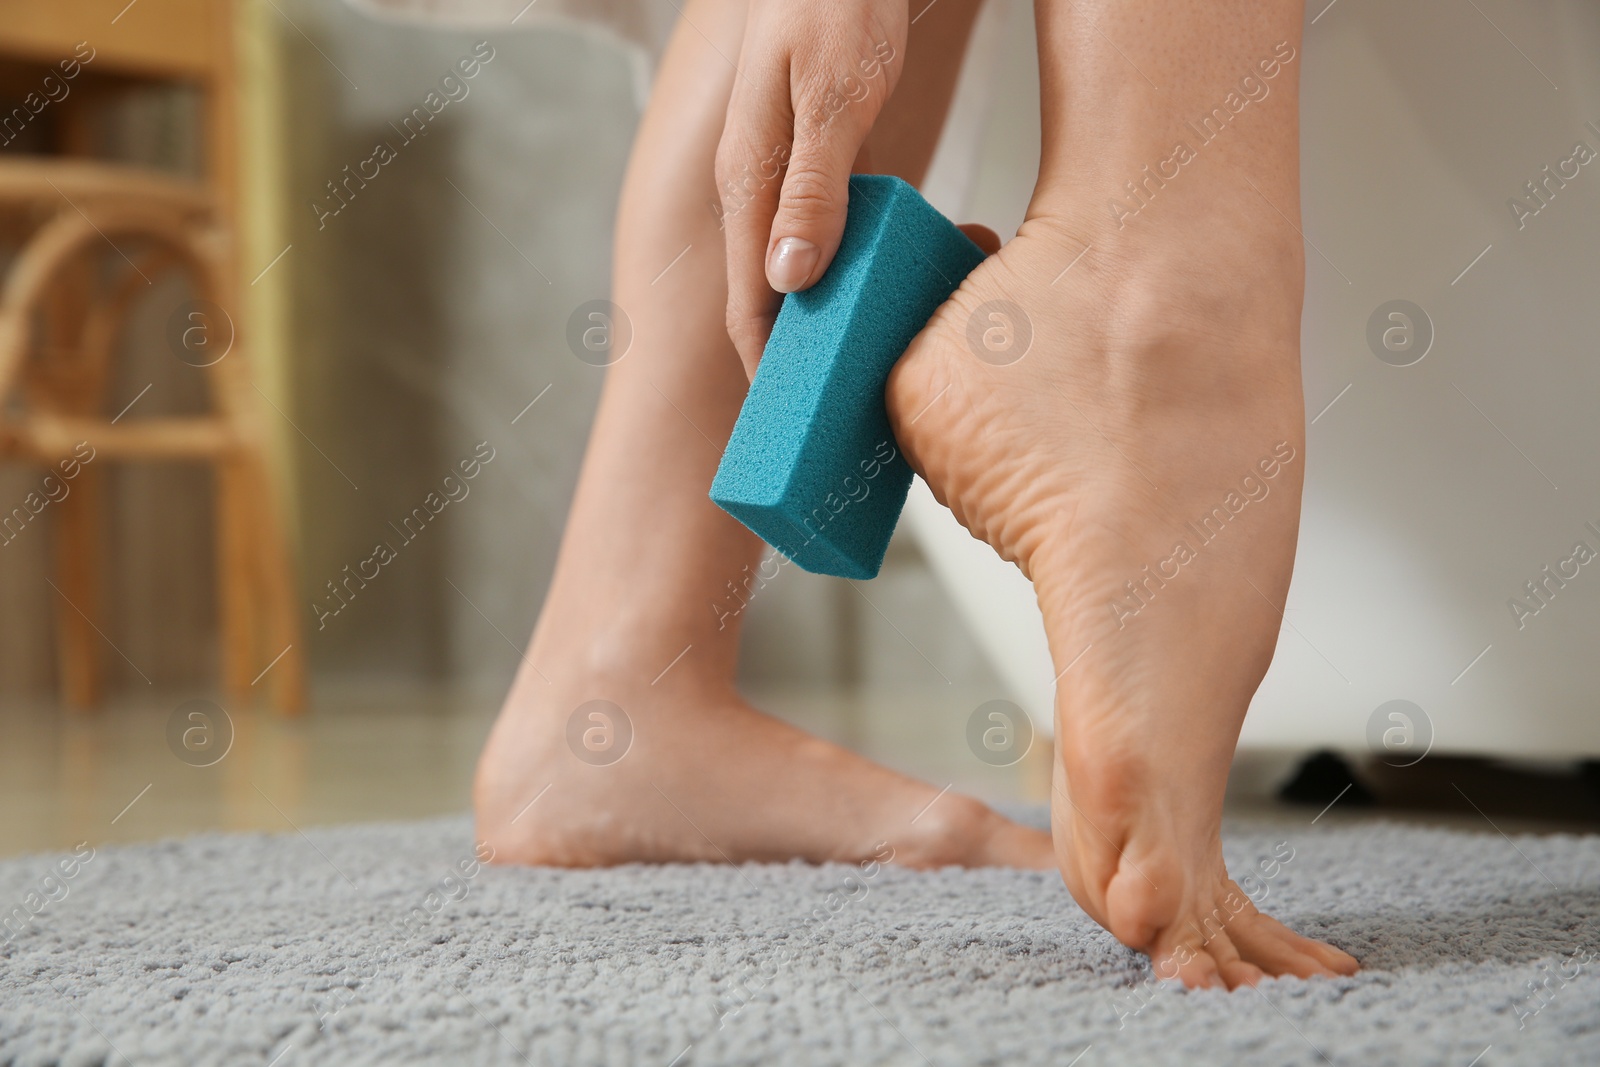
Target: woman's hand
813	76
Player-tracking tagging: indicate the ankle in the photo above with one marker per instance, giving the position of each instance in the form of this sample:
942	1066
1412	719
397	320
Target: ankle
1141	302
618	634
618	659
1204	261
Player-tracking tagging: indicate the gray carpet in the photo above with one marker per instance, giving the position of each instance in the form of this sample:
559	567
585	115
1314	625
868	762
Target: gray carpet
233	949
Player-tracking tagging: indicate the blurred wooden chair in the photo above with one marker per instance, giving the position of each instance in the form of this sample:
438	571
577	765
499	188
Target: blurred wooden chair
92	236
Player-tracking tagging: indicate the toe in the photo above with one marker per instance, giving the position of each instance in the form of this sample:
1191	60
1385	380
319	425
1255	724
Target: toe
1240	973
1235	972
1196	969
1336	960
1194	963
1259	943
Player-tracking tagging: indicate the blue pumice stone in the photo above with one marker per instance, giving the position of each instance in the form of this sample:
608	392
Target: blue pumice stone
812	466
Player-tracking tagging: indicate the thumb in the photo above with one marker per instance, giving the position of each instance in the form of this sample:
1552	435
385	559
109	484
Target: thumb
811	206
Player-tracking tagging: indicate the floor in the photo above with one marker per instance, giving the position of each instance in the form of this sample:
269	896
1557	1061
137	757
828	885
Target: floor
388	943
286	948
366	755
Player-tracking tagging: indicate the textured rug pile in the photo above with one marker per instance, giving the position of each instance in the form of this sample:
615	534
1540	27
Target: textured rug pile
392	944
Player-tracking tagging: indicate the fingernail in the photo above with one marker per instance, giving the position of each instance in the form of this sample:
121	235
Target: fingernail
791	263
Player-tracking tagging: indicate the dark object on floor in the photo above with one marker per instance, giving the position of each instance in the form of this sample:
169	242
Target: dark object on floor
1589	775
1492	789
1324	778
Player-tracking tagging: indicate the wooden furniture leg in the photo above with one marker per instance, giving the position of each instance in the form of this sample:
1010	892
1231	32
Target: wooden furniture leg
236	602
276	599
72	381
79	577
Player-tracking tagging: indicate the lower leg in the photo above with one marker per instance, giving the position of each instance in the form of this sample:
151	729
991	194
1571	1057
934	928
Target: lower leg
1142	460
640	612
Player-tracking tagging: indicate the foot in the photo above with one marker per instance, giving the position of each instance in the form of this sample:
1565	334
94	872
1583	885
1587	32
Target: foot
1152	393
707	778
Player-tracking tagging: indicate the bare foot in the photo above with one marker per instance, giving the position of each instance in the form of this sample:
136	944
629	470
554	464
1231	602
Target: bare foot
708	778
1142	464
647	557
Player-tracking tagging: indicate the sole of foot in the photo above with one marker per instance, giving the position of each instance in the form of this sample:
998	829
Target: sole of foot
1131	435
